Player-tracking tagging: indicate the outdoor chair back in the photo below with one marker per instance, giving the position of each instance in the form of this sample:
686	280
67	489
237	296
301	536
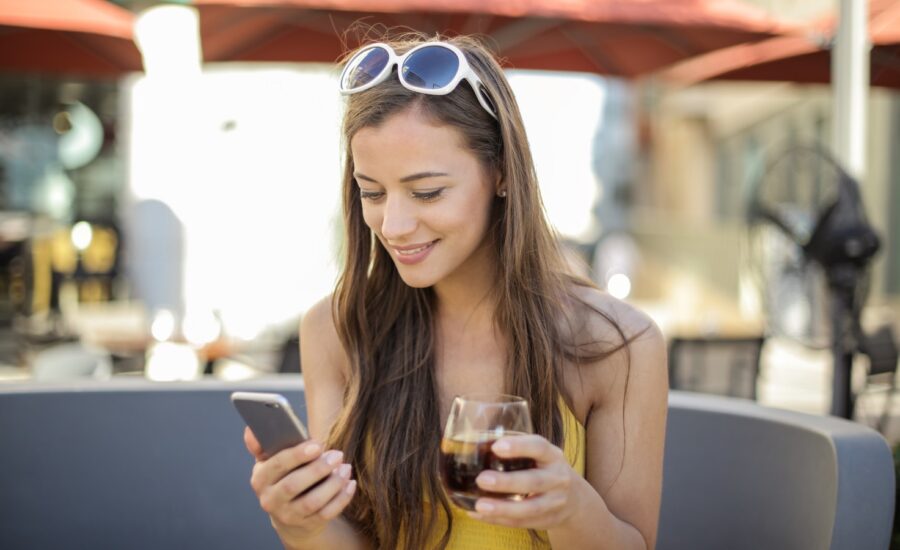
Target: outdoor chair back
741	476
134	464
716	365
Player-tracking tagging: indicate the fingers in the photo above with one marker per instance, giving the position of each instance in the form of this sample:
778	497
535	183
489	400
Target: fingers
325	500
288	487
534	512
301	487
525	482
267	473
330	498
549	485
337	504
530	446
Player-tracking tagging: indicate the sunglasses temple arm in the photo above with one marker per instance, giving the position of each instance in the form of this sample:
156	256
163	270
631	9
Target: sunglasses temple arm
482	94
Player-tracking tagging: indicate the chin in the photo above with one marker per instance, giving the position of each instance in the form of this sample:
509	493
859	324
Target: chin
418	276
416	281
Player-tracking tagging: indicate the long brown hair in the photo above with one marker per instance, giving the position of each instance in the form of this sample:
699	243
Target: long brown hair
389	426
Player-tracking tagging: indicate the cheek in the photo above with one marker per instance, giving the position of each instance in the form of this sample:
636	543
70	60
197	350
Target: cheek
470	217
479	209
372	218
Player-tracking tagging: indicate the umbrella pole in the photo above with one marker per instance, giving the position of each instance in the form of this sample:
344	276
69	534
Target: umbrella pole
850	86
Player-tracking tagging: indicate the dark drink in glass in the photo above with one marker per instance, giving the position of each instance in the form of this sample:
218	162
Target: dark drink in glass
474	424
463	458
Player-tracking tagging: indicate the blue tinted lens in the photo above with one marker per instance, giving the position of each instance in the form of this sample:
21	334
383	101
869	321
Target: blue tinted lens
430	67
365	67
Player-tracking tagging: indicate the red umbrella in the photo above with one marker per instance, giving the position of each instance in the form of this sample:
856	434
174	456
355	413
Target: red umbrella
804	58
620	37
84	37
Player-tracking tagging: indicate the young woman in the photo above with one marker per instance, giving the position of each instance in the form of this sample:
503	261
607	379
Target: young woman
453	283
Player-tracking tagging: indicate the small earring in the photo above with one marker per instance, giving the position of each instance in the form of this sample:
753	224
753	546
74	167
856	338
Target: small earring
502	193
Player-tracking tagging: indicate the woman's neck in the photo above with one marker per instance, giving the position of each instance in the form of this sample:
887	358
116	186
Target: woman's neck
467	295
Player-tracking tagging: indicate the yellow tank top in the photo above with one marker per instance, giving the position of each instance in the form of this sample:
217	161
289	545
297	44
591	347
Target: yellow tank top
471	534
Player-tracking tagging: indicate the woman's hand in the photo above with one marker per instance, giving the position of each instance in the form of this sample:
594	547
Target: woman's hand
552	486
286	486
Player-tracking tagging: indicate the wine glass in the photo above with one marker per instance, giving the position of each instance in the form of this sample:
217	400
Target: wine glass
476	421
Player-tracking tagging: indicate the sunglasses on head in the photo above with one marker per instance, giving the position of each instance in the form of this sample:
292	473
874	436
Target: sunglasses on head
433	68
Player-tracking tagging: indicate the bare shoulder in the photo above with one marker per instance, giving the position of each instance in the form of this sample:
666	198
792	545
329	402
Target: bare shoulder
325	367
607	317
631	345
320	345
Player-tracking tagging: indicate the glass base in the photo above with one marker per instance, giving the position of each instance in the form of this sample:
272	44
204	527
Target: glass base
466	501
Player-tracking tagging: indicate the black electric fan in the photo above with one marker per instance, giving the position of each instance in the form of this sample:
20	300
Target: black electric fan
811	248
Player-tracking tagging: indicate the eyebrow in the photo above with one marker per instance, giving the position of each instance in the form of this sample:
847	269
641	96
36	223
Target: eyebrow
405	179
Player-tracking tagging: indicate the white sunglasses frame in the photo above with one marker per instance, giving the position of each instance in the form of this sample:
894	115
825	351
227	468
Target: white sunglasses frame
463	72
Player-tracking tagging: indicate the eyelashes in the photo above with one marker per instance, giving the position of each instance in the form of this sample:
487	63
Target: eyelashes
424	196
427	195
370	195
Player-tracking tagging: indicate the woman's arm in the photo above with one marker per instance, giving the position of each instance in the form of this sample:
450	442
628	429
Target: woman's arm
311	519
625	436
616	504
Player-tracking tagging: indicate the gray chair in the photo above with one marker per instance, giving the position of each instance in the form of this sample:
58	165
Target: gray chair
741	476
142	465
130	464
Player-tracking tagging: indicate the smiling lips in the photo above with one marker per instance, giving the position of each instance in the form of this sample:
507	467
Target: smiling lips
413	254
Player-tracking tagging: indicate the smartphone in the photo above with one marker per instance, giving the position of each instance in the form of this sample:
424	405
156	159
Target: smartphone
271	419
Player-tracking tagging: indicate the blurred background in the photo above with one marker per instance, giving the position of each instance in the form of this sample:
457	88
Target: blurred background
169	175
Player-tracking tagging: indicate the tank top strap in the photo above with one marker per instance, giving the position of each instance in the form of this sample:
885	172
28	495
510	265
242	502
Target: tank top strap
574	438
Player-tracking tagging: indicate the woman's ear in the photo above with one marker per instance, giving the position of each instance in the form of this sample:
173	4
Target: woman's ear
499	186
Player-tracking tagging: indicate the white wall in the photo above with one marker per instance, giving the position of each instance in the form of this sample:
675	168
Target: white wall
247	159
244	162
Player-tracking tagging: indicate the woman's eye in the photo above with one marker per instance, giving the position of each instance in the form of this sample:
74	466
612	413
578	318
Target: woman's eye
370	195
427	195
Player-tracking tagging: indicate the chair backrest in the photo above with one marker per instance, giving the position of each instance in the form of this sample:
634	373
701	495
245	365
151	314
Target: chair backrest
130	464
142	465
721	366
741	476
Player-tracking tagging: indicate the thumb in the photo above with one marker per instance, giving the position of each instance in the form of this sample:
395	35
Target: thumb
253	445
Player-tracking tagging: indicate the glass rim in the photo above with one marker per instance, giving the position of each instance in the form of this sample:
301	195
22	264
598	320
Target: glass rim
487	398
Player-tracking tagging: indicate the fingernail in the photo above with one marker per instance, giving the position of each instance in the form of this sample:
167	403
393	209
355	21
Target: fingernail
487	479
351	487
313	449
501	446
333	457
484	506
344	471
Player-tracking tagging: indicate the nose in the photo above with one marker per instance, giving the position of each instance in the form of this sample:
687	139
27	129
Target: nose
398	219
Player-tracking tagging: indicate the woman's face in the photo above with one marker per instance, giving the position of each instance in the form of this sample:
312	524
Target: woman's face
425	196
